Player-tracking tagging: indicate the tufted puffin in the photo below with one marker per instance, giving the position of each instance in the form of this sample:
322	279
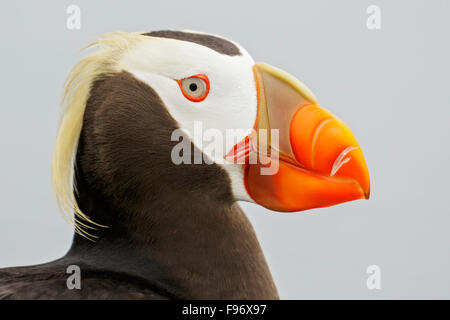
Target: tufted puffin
148	226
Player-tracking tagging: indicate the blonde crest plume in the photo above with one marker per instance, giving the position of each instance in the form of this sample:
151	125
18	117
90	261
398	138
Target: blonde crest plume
104	61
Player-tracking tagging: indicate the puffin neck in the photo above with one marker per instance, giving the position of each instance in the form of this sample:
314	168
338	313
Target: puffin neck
174	225
197	249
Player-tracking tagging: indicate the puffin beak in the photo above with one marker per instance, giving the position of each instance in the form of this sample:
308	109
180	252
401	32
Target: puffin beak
307	157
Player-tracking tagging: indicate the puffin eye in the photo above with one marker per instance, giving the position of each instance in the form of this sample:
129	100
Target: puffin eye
195	88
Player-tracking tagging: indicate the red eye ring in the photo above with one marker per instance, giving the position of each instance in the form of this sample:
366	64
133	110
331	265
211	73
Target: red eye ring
202	77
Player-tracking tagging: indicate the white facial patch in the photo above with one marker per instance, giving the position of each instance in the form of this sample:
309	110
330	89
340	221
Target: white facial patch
231	105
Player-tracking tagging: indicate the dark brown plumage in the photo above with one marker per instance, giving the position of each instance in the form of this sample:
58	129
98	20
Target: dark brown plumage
174	231
220	45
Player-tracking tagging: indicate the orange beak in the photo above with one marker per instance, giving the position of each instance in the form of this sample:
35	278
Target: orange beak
306	157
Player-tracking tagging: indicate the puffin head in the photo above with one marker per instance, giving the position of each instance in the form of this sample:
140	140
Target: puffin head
134	105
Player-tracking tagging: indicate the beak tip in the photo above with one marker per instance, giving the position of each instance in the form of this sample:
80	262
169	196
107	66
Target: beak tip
366	193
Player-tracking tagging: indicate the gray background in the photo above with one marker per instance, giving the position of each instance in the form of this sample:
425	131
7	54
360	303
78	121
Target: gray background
390	86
